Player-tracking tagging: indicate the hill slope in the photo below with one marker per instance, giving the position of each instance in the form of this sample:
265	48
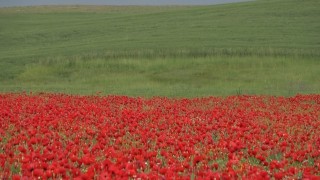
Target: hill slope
37	36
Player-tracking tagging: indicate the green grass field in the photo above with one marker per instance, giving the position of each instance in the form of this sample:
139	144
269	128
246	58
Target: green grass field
260	47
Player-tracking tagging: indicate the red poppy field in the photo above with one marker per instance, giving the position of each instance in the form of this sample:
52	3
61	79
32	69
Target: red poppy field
57	136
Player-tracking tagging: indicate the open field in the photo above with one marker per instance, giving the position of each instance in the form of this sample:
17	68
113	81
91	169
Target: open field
260	47
265	49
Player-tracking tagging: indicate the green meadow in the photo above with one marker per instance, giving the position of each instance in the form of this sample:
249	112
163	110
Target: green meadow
263	47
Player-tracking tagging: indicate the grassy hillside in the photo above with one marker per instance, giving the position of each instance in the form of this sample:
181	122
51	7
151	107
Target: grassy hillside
259	47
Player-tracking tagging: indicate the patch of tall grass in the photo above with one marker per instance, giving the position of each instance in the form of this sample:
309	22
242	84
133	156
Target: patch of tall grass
174	76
